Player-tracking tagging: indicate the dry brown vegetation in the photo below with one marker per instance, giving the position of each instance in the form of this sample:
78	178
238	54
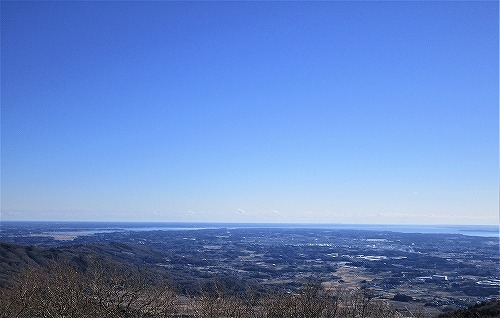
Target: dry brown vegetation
109	290
103	290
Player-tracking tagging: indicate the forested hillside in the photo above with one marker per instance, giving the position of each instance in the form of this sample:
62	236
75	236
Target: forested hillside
482	310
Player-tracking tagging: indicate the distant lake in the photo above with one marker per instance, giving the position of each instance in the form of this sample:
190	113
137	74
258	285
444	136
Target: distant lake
89	228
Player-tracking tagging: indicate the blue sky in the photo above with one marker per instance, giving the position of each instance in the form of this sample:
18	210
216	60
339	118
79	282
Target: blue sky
328	112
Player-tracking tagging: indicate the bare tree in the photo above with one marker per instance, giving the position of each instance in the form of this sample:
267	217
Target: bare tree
310	301
219	302
137	292
336	296
59	290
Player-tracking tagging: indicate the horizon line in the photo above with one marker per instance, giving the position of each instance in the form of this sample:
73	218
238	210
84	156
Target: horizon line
263	223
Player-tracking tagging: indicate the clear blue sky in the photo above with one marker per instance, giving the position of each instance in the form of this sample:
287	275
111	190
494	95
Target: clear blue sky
336	112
